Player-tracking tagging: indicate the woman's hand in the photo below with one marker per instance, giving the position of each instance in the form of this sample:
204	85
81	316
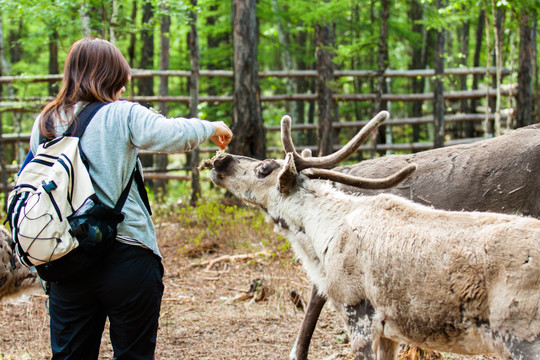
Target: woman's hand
223	135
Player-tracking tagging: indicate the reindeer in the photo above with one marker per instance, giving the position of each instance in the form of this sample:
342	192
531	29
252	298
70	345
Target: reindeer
462	282
501	174
14	278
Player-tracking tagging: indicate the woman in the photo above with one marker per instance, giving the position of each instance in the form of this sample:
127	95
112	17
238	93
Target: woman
127	285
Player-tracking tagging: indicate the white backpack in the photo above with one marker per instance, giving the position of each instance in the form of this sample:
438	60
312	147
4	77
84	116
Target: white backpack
57	222
49	189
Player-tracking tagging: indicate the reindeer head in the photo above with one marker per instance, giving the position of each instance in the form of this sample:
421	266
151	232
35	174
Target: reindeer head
264	182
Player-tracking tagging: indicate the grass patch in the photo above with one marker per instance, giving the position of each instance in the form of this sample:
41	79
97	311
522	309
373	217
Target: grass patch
218	224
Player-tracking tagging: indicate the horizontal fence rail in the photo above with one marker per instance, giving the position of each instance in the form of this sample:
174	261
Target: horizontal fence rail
162	174
25	137
139	74
451	95
20	104
29	104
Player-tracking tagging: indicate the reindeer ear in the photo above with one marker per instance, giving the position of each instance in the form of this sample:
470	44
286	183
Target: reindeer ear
287	176
306	153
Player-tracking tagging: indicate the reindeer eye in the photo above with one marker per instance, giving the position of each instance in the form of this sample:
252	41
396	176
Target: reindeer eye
266	168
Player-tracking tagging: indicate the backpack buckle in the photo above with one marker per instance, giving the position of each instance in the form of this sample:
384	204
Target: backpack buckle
48	187
80	231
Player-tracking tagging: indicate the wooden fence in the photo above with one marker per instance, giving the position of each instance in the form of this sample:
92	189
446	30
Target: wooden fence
16	104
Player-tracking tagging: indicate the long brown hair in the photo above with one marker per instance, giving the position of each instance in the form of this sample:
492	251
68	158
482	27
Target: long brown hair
95	70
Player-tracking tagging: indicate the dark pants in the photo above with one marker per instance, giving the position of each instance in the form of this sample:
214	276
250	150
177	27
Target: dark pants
127	288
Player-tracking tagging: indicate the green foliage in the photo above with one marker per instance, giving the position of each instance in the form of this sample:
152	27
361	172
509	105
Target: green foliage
357	27
31	25
231	226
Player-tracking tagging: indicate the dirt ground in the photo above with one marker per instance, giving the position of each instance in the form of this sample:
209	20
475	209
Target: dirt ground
207	312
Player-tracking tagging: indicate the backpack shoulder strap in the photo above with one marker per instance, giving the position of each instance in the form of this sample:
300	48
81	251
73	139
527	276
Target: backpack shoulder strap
136	174
142	190
78	127
123	197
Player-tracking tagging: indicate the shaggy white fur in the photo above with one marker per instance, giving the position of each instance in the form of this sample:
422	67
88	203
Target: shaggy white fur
462	282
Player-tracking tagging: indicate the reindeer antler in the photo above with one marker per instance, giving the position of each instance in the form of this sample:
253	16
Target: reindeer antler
360	182
314	164
332	159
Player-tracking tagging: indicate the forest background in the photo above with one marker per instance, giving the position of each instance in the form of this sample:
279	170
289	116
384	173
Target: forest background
248	37
183	54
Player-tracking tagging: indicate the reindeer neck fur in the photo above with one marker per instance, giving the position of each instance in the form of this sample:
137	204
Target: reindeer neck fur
326	226
311	223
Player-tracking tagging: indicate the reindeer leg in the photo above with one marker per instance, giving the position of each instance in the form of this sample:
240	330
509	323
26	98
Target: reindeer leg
301	346
387	349
522	349
360	325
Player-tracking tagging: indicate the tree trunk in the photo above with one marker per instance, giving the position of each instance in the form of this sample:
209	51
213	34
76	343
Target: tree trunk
382	60
10	92
325	77
164	57
247	123
382	65
114	20
356	61
193	42
464	38
536	108
4	71
85	20
97	26
161	160
53	61
311	136
438	88
15	47
146	85
371	63
487	125
132	35
429	45
213	42
286	62
417	84
476	63
302	87
92	20
525	72
498	24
